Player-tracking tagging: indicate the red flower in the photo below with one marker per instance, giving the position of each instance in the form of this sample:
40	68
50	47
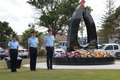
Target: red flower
75	55
66	53
90	52
61	55
74	52
78	51
106	52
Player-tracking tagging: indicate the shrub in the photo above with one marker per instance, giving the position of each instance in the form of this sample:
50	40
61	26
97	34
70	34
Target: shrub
56	40
41	52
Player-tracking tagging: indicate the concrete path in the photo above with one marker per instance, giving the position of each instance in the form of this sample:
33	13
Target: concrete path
28	59
112	66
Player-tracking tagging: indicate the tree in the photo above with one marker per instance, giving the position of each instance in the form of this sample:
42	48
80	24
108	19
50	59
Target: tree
108	29
5	31
115	21
116	18
56	14
27	34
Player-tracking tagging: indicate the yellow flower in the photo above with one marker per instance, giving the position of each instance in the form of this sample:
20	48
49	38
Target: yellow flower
105	55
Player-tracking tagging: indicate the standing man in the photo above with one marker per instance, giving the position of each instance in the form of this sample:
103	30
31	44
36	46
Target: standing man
49	44
33	50
13	49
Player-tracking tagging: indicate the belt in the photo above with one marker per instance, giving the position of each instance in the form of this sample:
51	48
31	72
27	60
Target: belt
49	46
33	47
13	49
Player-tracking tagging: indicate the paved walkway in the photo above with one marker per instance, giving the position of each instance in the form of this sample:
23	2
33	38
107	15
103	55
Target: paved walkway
28	59
112	66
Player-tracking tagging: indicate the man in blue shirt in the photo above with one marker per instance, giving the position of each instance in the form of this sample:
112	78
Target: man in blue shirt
13	52
33	50
49	43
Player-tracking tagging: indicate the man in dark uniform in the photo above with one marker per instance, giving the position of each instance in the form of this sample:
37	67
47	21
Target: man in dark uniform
33	50
13	52
49	43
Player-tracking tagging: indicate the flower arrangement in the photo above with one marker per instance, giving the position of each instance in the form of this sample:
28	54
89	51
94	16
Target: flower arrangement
84	54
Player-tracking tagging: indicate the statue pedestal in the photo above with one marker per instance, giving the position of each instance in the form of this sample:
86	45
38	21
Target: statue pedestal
83	61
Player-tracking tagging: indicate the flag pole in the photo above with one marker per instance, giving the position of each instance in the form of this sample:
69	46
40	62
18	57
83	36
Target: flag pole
82	28
82	22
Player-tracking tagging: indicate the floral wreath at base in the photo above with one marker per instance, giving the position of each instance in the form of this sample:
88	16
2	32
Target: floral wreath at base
85	54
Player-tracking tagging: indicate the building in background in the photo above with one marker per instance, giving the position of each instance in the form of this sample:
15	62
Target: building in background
61	37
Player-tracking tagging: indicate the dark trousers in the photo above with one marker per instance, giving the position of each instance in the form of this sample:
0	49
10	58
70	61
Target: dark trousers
13	59
49	57
33	57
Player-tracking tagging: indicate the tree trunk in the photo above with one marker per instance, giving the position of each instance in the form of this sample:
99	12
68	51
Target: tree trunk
54	33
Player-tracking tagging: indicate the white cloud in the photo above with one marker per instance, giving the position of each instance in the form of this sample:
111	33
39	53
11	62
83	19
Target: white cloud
98	7
19	14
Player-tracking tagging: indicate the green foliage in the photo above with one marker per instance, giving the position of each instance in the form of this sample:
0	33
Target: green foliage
56	14
110	26
56	40
41	41
116	18
108	22
41	52
27	34
5	31
56	74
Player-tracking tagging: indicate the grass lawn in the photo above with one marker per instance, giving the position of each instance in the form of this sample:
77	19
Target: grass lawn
117	60
44	74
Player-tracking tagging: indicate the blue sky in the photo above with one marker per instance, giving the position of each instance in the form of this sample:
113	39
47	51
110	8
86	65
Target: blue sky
19	14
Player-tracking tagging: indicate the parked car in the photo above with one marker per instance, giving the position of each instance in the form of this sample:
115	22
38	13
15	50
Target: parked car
56	44
58	49
2	53
113	48
42	47
22	52
99	45
63	44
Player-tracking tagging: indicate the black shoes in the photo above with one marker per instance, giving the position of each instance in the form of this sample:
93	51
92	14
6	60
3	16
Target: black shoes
50	68
33	70
13	71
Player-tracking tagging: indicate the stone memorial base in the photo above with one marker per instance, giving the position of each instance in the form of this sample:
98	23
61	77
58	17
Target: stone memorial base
83	61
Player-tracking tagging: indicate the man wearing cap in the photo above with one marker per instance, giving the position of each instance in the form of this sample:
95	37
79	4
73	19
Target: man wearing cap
33	50
13	49
49	43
